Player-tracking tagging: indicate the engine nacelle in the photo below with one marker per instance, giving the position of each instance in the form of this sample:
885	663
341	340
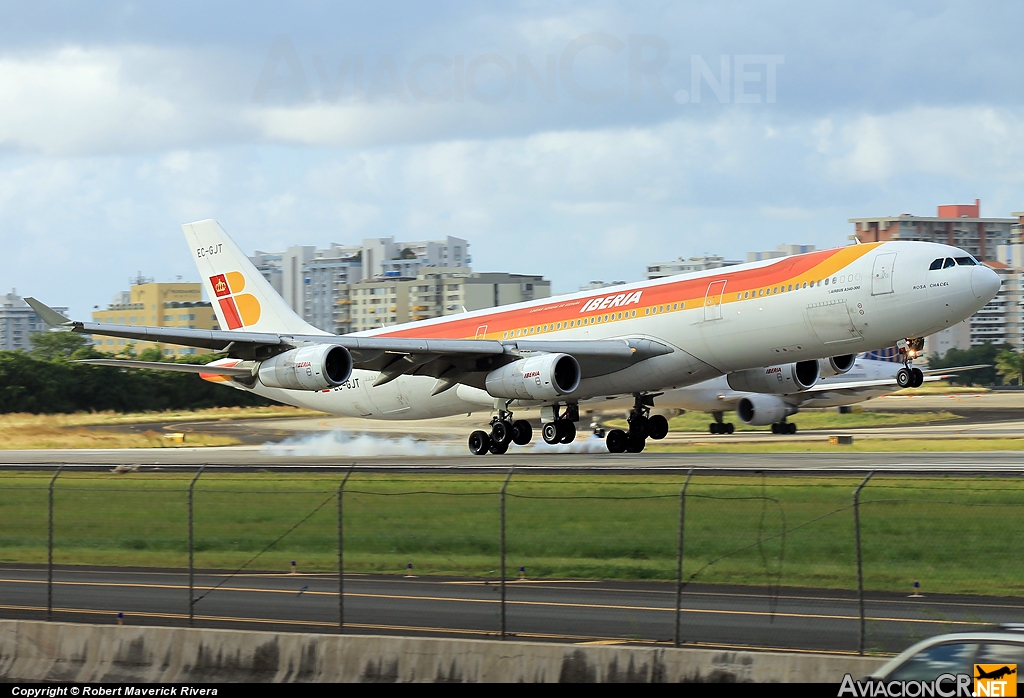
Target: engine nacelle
317	367
761	410
542	377
778	380
836	365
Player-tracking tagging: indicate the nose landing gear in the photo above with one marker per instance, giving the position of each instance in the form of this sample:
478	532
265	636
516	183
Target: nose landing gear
908	376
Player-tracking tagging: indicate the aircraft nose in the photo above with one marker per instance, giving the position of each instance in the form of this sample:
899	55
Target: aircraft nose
984	283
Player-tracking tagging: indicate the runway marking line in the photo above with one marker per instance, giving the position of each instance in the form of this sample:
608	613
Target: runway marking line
580	639
538	582
548	604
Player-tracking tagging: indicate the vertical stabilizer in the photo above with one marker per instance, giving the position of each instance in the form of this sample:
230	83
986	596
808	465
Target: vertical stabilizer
241	297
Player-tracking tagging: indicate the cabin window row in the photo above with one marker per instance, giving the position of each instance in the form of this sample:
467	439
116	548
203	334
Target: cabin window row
769	291
554	326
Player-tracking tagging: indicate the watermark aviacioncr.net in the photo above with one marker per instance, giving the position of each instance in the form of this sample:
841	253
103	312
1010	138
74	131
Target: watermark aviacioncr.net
594	68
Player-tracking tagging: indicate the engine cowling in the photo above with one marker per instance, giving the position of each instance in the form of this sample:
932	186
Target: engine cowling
317	367
761	410
836	365
542	377
778	380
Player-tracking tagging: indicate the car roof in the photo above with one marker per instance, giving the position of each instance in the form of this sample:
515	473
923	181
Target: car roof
1013	636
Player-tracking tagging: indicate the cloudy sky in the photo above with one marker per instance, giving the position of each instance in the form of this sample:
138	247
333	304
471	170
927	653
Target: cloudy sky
579	141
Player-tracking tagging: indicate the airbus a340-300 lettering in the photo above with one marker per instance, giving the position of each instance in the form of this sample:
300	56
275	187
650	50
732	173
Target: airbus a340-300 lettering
555	353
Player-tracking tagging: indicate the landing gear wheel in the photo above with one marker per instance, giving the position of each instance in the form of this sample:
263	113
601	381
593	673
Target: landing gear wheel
918	378
567	430
714	427
551	433
616	441
790	428
498	449
657	427
522	432
775	428
639	427
729	428
635	444
501	432
479	443
904	378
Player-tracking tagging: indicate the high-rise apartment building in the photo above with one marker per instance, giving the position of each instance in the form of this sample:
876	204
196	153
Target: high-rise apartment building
435	292
18	322
958	224
780	251
348	288
686	266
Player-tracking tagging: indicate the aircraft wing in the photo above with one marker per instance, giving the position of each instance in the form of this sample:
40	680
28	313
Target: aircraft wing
432	357
929	376
239	372
955	369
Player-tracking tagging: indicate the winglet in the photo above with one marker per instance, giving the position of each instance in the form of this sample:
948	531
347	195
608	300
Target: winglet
48	314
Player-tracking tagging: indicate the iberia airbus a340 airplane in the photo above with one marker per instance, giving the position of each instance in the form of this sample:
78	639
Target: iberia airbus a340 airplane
752	322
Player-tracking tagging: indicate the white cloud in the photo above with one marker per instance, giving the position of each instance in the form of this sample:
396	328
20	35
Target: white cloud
77	100
969	142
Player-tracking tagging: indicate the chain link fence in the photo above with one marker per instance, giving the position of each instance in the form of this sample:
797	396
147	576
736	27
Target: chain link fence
842	562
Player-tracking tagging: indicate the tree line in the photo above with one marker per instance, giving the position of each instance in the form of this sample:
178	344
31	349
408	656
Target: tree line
46	380
1005	364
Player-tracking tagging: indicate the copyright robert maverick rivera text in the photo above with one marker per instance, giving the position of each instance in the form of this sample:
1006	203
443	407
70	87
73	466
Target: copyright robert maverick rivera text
55	691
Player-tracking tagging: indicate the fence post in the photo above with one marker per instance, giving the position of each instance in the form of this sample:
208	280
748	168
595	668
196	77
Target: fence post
504	485
49	547
860	560
679	557
191	549
341	555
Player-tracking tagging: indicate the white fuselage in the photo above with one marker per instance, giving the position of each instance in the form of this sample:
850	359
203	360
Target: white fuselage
828	303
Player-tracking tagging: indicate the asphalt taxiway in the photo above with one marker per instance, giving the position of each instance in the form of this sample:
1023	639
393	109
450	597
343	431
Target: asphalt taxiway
550	610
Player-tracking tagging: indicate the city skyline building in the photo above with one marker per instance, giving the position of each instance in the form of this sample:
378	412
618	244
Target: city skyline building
177	304
18	322
960	225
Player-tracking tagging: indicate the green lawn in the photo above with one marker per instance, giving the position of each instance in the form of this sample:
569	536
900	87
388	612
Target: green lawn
952	535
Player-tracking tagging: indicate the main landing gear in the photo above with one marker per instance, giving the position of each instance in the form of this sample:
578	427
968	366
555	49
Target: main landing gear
783	428
504	432
719	427
908	376
641	426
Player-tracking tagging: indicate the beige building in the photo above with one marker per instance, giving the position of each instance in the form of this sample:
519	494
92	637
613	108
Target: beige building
155	304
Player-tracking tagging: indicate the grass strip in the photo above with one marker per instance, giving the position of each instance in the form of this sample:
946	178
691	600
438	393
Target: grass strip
931	530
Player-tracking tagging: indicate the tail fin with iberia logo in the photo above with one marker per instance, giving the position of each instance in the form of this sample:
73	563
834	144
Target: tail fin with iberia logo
241	297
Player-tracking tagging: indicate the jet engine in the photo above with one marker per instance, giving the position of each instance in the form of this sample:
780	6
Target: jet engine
761	410
837	365
316	367
780	380
541	377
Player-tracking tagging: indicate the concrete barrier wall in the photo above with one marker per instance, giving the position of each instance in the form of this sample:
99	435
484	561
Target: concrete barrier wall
38	651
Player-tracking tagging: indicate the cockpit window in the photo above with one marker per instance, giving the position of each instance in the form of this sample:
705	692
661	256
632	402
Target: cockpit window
966	261
937	264
949	263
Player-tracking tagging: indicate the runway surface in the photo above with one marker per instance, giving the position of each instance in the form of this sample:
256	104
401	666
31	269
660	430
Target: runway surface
241	458
564	611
